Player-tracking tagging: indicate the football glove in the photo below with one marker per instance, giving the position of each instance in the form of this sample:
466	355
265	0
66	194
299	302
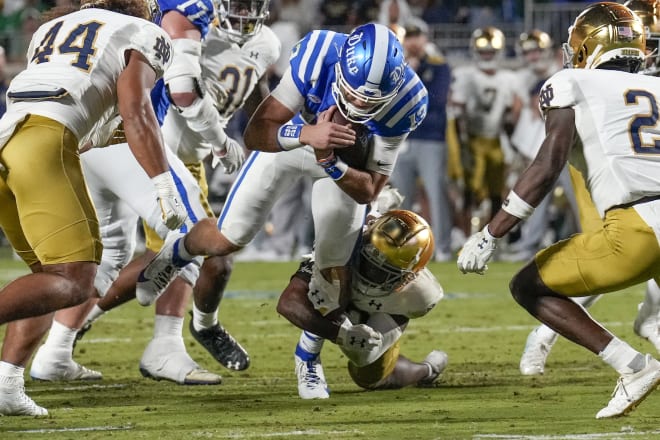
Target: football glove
477	252
230	155
358	337
173	213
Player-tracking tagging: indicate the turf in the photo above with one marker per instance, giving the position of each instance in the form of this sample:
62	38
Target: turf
480	396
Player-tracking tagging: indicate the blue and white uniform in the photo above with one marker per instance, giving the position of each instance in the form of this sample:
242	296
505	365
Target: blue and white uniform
306	89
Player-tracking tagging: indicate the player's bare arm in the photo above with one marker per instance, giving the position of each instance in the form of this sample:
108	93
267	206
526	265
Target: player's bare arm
539	178
140	124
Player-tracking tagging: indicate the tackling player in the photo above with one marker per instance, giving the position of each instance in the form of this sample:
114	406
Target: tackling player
390	286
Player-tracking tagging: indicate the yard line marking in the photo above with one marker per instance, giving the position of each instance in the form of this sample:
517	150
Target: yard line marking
90	428
81	387
292	433
625	432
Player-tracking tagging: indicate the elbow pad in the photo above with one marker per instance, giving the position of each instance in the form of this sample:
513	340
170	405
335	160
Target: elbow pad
185	72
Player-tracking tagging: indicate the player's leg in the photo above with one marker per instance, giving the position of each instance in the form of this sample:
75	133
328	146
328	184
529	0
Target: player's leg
646	322
623	253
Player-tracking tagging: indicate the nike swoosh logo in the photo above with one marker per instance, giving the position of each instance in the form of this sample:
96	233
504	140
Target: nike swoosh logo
141	277
383	164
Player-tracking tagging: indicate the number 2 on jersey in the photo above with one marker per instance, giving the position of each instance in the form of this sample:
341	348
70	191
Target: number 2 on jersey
80	42
642	120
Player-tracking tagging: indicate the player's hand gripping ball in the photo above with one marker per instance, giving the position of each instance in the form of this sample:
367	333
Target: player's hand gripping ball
356	155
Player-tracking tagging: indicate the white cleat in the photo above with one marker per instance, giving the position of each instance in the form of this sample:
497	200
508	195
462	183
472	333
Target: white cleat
537	348
632	389
57	365
14	401
165	358
159	273
437	360
311	379
646	325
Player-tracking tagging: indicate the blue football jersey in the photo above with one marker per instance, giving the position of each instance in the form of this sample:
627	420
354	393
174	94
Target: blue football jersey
201	14
312	66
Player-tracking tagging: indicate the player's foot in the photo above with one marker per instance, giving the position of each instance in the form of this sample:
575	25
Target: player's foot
311	379
14	401
632	389
537	348
646	325
159	273
437	360
56	365
222	346
165	358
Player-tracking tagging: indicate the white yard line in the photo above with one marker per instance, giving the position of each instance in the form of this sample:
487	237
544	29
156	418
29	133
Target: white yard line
89	428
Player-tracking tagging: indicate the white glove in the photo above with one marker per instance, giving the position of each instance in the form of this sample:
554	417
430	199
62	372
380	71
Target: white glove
173	213
231	156
477	252
359	337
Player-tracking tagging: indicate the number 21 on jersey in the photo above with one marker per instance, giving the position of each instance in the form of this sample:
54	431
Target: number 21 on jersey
643	122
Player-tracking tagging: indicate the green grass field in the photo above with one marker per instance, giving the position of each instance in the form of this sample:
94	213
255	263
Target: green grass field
480	396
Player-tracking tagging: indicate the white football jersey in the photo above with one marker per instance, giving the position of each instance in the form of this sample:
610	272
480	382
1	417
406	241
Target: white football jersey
415	299
230	73
73	65
486	98
618	125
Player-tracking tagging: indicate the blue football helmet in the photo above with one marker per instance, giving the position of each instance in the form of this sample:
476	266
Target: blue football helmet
369	73
240	20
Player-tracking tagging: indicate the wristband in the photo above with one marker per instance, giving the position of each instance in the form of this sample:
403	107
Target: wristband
333	166
516	206
288	136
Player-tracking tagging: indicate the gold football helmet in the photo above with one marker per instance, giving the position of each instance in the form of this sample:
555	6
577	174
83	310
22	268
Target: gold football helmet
605	32
396	246
487	47
649	12
535	47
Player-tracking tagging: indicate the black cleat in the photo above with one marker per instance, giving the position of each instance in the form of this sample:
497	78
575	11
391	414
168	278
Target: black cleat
222	346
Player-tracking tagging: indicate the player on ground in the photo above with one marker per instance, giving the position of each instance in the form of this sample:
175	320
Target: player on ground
390	286
615	152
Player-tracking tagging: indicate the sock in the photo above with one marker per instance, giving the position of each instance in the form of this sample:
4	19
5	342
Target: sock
622	357
309	346
11	377
94	314
165	325
11	370
181	256
545	333
203	320
61	337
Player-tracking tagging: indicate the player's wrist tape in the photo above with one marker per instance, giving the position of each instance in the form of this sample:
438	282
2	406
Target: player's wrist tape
333	166
164	183
516	206
343	330
288	136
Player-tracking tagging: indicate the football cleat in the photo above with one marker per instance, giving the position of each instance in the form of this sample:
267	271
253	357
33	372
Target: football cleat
159	273
646	325
57	365
311	379
437	360
222	346
632	389
14	401
532	361
165	358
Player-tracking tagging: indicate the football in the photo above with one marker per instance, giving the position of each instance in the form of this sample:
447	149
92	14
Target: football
356	155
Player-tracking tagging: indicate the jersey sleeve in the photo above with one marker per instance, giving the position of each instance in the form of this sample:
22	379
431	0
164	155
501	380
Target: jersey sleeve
421	295
200	12
558	91
405	112
156	46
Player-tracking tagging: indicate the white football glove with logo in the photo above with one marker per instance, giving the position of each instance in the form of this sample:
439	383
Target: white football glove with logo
477	252
231	156
173	213
358	337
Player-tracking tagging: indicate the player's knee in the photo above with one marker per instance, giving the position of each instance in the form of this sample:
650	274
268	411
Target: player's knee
526	286
219	267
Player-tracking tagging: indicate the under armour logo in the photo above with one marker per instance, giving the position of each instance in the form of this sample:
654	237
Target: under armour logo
354	341
375	304
546	96
163	49
254	55
314	292
483	243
